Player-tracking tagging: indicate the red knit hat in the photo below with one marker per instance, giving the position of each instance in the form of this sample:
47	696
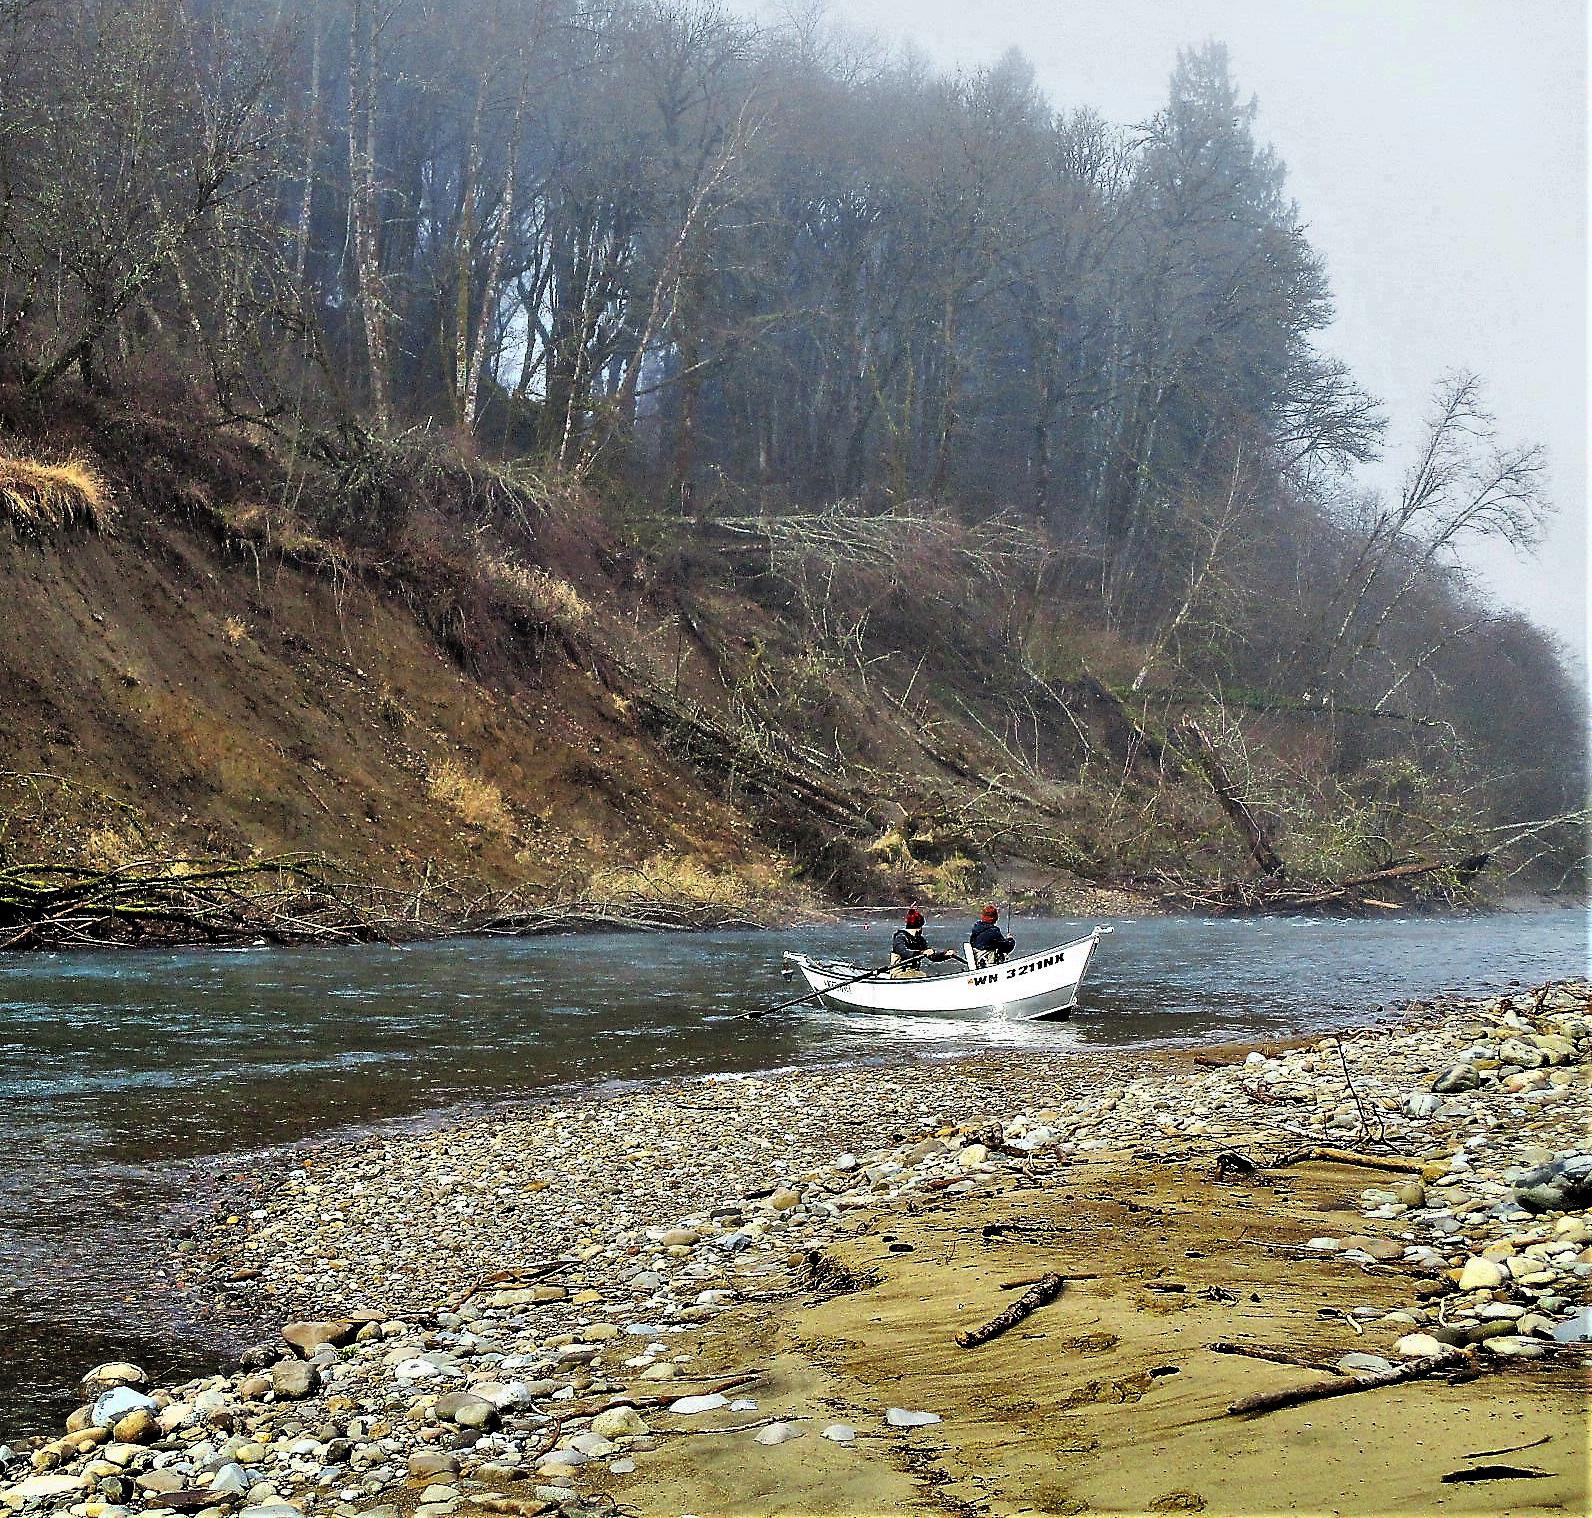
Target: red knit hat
989	914
914	917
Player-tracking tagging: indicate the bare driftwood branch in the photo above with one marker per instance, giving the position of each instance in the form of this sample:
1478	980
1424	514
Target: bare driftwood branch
1411	1370
1393	1162
1042	1292
1274	1356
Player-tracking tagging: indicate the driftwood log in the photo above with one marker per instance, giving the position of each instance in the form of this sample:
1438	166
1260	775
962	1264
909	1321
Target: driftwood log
1045	1290
1411	1370
1044	1275
1392	1162
1274	1356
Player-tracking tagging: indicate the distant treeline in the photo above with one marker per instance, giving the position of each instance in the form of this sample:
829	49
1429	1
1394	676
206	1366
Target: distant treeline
755	267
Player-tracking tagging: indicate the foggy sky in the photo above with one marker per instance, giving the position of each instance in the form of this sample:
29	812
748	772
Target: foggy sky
1438	151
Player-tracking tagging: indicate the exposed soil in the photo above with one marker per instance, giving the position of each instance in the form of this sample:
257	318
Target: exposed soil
1108	1400
246	703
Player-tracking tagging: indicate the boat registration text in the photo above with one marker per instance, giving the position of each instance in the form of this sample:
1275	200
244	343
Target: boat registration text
990	977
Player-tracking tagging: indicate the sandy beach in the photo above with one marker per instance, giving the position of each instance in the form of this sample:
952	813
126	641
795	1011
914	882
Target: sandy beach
744	1295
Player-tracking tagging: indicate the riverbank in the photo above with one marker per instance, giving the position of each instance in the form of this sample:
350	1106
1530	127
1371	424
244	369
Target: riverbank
505	1315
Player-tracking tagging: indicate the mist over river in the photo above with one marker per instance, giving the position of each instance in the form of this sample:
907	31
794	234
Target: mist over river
129	1081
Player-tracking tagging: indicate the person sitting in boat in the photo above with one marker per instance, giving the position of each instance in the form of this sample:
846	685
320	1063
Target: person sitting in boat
990	945
909	949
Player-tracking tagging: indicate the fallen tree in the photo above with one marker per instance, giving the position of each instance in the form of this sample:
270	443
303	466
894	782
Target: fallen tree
291	899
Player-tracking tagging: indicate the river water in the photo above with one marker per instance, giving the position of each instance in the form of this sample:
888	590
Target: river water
125	1078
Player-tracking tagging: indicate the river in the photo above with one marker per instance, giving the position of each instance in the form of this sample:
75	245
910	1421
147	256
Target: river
127	1078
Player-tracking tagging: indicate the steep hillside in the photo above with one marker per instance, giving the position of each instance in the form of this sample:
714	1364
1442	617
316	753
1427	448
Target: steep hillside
440	674
205	677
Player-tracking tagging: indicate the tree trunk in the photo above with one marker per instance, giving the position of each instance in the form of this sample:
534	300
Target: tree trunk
1191	738
362	202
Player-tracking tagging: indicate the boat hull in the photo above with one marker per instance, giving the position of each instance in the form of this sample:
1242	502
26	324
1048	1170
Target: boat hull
1037	986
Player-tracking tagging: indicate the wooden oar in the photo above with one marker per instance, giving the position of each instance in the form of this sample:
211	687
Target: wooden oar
797	1001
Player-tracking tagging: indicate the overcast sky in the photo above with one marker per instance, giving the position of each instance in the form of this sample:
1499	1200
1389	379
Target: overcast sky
1438	152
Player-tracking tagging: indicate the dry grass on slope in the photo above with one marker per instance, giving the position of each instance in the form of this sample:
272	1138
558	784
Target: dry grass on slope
39	497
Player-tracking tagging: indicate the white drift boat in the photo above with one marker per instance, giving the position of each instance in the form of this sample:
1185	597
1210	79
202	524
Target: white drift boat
1036	986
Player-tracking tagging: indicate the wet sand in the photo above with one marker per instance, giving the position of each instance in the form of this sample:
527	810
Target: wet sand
1109	1400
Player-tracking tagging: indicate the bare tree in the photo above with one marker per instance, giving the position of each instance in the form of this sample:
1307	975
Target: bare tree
1464	486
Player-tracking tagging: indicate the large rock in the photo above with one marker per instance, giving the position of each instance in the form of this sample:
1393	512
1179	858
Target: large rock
1513	1052
1481	1275
433	1462
41	1488
110	1407
619	1423
1563	1185
307	1337
116	1373
293	1380
1456	1078
137	1427
467	1410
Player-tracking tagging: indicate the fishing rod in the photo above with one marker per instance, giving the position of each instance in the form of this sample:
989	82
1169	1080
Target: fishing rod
796	1001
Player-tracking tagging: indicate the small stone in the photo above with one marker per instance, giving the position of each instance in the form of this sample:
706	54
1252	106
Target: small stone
1357	1364
425	1463
840	1433
1514	1347
307	1337
971	1156
778	1433
1456	1078
1481	1275
1421	1347
902	1417
137	1427
467	1410
230	1478
619	1423
707	1403
42	1487
440	1493
784	1200
1377	1249
293	1380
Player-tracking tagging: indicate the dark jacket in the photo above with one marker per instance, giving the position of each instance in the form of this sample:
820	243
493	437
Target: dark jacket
908	941
989	938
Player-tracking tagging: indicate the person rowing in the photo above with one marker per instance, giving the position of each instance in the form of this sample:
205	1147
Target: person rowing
909	949
990	945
